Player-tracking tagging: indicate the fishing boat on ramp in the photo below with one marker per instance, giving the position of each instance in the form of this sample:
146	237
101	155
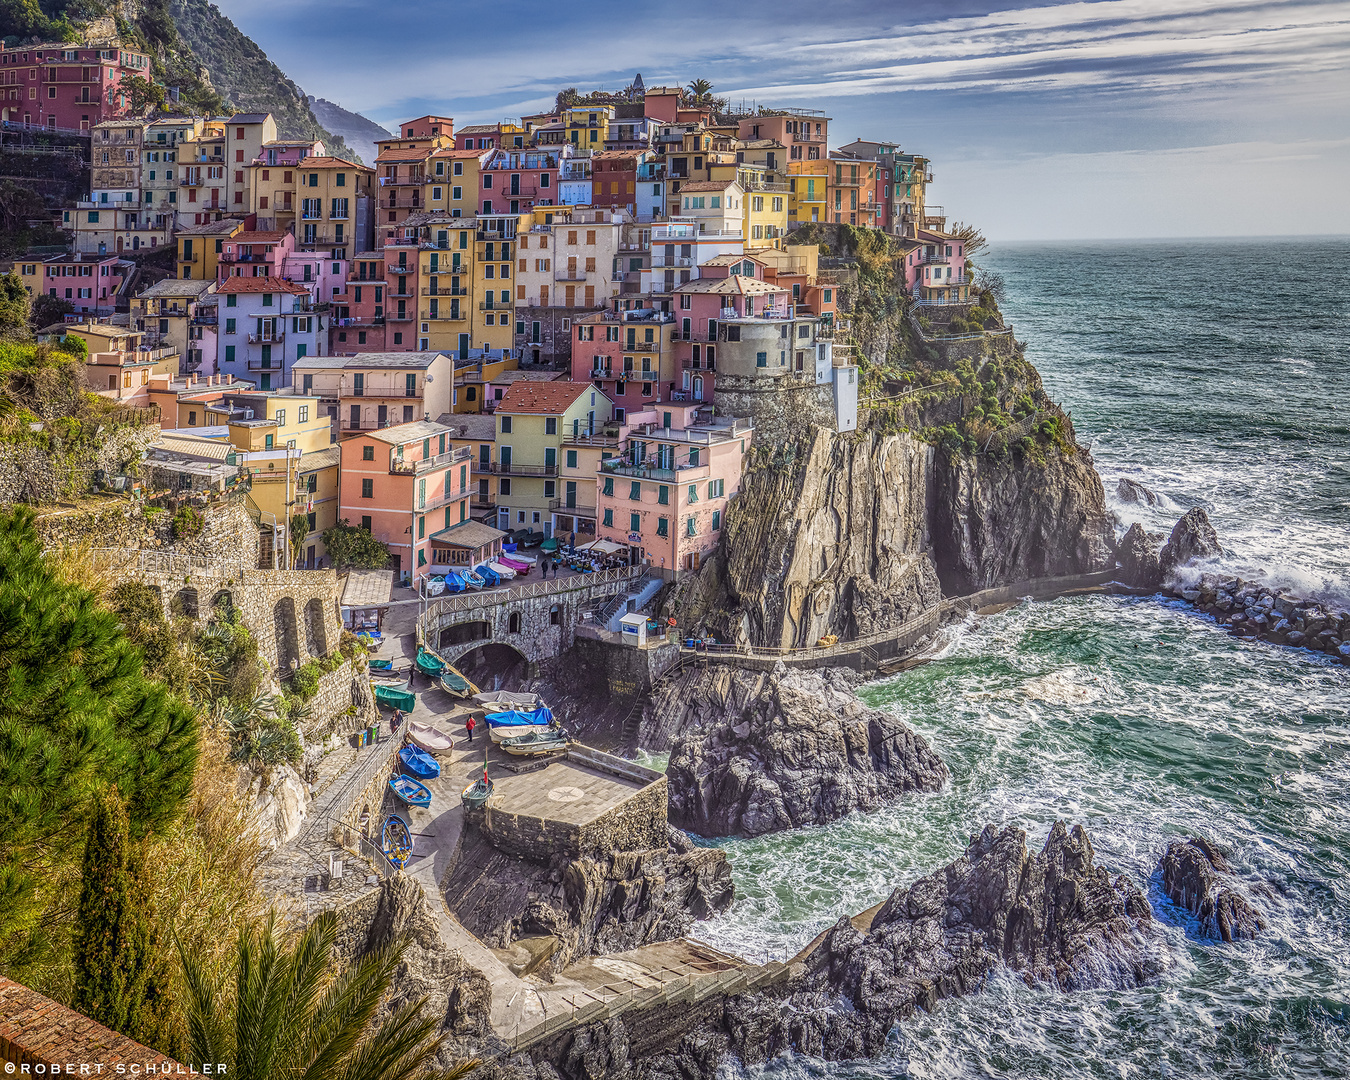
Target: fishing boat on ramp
477	793
429	663
536	742
396	841
430	738
452	682
512	723
410	792
419	763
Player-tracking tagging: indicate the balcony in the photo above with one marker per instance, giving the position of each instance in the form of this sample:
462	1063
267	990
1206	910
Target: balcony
449	315
697	365
267	365
659	261
227	257
401	316
489	305
402	181
608	442
399	467
363	320
195	257
204	320
573	507
511	468
572	273
428	291
273	337
680	474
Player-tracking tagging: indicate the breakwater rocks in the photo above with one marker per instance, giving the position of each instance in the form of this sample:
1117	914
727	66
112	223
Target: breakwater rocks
1197	877
768	751
593	903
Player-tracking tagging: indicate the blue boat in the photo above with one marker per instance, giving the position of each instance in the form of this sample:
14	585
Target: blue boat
519	718
453	582
488	574
409	791
471	579
396	841
381	665
418	762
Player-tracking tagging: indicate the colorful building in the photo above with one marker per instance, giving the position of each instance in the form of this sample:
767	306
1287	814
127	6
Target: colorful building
183	313
92	283
808	188
851	192
401	168
665	494
532	420
935	269
629	354
191	401
115	167
804	133
358	324
373	391
66	87
266	325
406	484
200	247
453	180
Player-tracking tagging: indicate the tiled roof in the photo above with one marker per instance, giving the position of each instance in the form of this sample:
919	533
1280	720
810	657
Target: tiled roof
371	360
329	162
737	284
320	459
211	228
543	398
261	285
730	260
405	154
468	534
706	185
249	118
506	378
259	237
481	427
412	431
177	287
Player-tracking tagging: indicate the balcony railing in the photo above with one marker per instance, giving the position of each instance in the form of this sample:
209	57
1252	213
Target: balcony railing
659	261
573	273
377	320
448	315
428	291
608	442
679	474
266	365
697	365
574	506
272	337
490	305
511	468
402	181
401	316
400	467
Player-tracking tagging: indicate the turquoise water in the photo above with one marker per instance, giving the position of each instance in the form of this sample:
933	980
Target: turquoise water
1136	717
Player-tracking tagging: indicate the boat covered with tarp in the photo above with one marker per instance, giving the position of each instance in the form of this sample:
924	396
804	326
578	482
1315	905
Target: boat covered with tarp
452	682
429	662
435	585
517	565
548	741
430	738
396	841
418	762
504	572
409	791
489	575
477	793
395	697
516	722
510	699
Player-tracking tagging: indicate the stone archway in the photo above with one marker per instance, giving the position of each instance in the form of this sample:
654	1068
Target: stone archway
494	665
222	605
463	633
287	635
316	634
184	602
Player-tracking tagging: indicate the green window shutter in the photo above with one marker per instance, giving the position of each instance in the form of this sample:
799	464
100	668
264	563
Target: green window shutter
609	519
634	522
571	459
635	491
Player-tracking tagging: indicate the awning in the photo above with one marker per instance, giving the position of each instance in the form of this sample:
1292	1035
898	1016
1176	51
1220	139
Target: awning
603	547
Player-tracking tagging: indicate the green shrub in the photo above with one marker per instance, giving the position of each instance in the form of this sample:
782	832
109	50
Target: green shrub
187	522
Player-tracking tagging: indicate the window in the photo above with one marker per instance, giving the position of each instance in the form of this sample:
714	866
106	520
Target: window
229	326
717	520
550	425
281	418
693	493
635	523
608	521
663	526
689	529
761	359
367	453
506	425
635	491
715	488
663	495
608	487
505	486
365	522
571	459
367	488
421	527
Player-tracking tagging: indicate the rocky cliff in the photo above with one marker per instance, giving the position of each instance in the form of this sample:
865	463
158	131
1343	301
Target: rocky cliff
966	485
768	751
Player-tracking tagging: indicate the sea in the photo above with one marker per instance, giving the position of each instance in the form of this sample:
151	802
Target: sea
1217	374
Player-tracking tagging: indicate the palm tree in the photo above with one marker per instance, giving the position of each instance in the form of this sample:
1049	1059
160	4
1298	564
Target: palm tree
287	1016
700	91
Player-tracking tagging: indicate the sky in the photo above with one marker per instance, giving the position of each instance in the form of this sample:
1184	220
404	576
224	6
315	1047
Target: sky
1044	121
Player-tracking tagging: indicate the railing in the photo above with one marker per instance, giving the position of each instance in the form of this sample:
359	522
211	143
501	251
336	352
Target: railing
563	504
427	290
343	801
652	472
408	468
571	273
273	338
510	468
659	261
447	315
470	601
402	181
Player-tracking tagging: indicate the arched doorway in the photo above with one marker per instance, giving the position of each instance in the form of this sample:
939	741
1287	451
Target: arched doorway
287	635
119	245
316	635
495	666
185	602
698	387
463	633
135	243
222	605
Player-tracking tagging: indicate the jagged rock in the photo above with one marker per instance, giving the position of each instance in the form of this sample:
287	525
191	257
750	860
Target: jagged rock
455	991
280	807
591	904
1131	491
789	748
1056	918
1137	556
1193	876
1193	538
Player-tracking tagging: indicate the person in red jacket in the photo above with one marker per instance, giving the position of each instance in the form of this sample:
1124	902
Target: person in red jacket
469	725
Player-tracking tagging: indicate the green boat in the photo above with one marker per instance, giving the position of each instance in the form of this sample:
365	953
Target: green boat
452	682
395	697
429	662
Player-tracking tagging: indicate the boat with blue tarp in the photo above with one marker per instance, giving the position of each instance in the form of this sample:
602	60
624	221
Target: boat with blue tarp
396	841
418	762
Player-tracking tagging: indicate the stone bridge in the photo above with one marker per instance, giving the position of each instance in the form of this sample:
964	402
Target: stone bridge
294	615
537	620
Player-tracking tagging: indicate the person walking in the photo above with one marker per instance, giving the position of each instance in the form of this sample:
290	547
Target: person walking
469	725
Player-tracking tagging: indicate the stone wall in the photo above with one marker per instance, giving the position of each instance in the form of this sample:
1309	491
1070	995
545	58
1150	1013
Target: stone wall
783	409
342	703
623	670
46	474
117	522
555	343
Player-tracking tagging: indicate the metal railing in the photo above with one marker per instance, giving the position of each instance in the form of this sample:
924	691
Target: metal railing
460	602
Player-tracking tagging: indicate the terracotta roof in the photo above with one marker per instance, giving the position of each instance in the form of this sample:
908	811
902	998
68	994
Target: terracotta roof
447	152
480	427
707	185
415	154
329	162
731	260
261	285
468	534
248	118
211	227
737	284
474	129
543	398
258	237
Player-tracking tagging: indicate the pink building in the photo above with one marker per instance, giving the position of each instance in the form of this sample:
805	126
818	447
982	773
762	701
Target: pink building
935	269
628	354
358	324
665	494
730	290
90	282
255	254
406	484
66	87
515	180
288	151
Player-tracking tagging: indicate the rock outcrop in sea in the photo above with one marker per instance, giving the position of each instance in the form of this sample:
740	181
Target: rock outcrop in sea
1193	538
1197	877
1137	558
764	751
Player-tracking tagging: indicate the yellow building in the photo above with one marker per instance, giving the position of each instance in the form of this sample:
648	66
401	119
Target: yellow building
765	201
533	420
808	183
453	180
184	314
318	199
588	128
200	248
284	440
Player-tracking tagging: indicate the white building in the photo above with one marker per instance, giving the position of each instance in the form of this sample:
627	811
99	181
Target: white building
265	325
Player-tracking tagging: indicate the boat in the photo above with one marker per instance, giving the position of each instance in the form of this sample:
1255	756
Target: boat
477	793
535	742
512	563
525	557
395	697
381	665
503	571
435	586
511	699
472	580
418	762
429	662
513	722
409	791
396	841
488	574
430	738
452	682
371	639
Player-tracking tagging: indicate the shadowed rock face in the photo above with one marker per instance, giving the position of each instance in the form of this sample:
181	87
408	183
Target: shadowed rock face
1195	876
1137	555
1131	491
785	749
1193	537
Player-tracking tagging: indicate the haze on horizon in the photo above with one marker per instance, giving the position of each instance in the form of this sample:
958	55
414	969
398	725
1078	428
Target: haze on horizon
1052	120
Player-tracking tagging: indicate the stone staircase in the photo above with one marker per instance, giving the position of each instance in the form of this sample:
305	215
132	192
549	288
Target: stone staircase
632	600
